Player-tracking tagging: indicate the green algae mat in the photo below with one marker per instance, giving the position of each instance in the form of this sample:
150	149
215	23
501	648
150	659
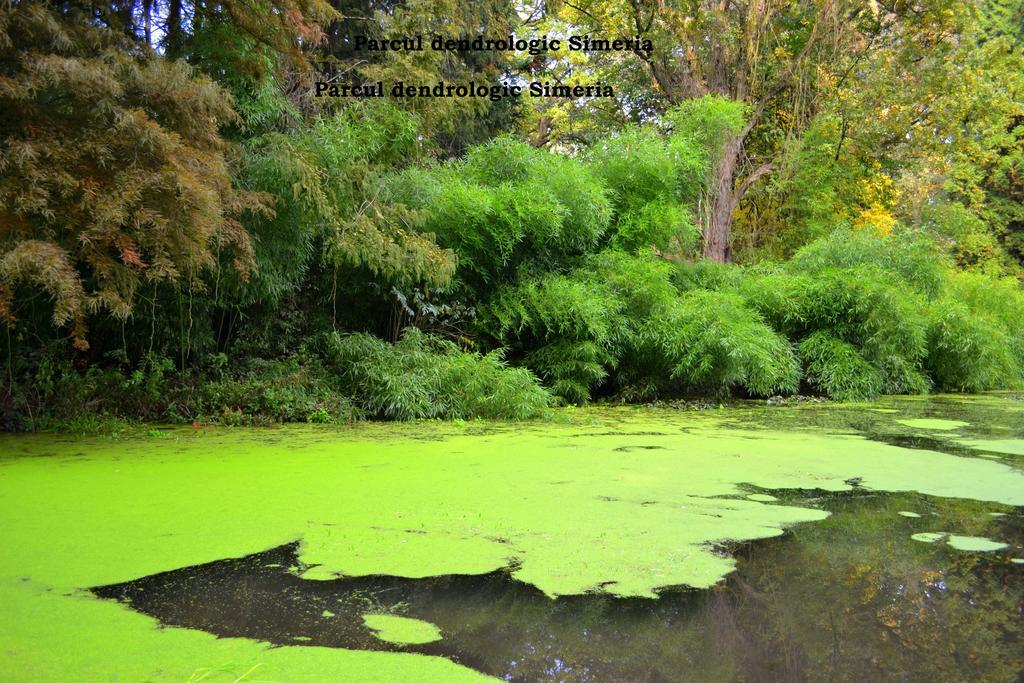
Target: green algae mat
608	544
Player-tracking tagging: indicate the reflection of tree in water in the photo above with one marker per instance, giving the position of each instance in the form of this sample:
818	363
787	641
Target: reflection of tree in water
849	598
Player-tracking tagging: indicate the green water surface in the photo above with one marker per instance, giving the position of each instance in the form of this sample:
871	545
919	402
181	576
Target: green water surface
616	502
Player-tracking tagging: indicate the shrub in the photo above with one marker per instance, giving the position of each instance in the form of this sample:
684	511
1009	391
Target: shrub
637	166
707	274
56	395
966	353
911	258
970	241
571	368
691	341
287	390
423	376
621	313
838	369
652	180
714	342
324	176
974	335
565	326
667	226
856	305
1001	300
588	209
504	205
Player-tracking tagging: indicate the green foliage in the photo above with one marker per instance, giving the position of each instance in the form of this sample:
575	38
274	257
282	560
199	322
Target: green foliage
838	369
56	395
112	171
567	326
700	127
972	244
974	335
654	177
287	390
873	314
251	222
707	274
504	206
986	176
662	224
637	165
508	208
572	368
714	343
915	260
452	123
852	302
324	177
620	313
50	391
425	377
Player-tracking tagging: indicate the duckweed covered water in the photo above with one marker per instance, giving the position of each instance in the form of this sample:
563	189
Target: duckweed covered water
932	423
851	581
400	630
972	543
743	543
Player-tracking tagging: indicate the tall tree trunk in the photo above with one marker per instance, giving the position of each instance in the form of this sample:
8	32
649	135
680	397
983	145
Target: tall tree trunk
147	15
174	40
727	70
717	228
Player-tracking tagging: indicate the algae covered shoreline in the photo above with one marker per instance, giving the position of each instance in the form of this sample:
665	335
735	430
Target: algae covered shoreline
618	502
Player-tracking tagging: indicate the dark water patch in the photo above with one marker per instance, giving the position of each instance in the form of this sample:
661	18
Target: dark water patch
848	598
985	417
587	435
928	443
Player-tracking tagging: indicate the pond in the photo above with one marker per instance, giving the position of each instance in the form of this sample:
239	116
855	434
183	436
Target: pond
798	542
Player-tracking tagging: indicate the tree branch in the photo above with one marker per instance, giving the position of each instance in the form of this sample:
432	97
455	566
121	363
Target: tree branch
757	173
785	80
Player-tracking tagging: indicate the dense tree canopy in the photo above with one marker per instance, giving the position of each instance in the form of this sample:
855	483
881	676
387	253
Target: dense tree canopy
184	225
113	169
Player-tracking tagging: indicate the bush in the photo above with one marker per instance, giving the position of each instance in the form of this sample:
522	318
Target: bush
837	368
857	306
572	368
974	335
423	376
273	391
653	179
504	206
52	393
697	341
873	314
565	326
55	395
714	343
912	259
618	317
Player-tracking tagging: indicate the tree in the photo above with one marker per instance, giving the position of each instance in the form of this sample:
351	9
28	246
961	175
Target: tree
780	58
987	168
325	177
454	123
112	171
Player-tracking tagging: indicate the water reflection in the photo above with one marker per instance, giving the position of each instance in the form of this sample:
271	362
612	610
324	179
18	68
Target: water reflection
850	598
